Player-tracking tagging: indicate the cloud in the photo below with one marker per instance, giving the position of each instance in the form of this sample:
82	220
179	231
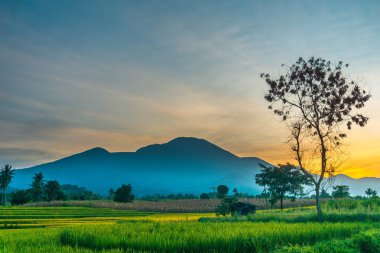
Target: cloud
151	73
23	156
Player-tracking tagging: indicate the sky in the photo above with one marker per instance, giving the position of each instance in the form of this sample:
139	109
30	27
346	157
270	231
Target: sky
125	74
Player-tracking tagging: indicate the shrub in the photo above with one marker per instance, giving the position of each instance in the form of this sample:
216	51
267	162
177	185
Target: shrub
368	242
225	206
20	197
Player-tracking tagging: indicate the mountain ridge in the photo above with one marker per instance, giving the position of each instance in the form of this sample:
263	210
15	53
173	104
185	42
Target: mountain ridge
182	165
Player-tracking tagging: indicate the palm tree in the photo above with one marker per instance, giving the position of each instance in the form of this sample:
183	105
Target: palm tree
6	176
37	187
369	192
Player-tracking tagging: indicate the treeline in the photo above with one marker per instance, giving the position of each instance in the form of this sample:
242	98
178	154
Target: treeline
287	181
278	182
42	190
172	196
51	190
215	194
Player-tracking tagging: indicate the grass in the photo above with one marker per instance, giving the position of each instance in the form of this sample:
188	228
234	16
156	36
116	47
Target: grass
345	210
202	237
350	227
184	237
364	242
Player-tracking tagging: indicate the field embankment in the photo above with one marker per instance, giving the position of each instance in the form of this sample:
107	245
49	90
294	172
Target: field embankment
170	206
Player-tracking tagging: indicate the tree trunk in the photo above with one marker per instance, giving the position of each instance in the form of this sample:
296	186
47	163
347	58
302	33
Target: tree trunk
318	203
281	203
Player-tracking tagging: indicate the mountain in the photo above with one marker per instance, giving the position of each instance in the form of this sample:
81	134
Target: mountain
358	186
183	165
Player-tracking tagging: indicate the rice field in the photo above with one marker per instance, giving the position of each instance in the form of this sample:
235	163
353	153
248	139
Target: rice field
28	217
84	229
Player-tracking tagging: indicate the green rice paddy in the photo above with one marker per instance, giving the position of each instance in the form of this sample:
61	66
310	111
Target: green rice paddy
79	229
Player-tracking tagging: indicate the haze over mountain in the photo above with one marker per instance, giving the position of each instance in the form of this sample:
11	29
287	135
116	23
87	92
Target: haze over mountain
183	165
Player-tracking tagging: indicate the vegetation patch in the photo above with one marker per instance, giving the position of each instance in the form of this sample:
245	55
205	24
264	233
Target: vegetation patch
203	237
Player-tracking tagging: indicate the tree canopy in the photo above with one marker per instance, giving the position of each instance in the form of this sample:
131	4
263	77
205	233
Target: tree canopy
317	102
20	197
53	191
281	180
37	187
341	191
124	194
371	193
222	191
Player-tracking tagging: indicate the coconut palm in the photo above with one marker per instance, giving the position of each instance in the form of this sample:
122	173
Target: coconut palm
6	176
369	192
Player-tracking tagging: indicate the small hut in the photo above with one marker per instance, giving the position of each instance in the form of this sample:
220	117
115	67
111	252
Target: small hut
243	208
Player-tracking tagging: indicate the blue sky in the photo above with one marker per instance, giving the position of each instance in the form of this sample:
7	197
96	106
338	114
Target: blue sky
124	74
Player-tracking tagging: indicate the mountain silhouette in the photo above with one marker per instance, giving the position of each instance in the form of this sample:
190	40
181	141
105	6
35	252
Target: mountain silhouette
187	147
358	186
182	165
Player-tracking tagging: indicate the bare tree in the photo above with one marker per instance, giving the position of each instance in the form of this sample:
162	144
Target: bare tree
318	103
